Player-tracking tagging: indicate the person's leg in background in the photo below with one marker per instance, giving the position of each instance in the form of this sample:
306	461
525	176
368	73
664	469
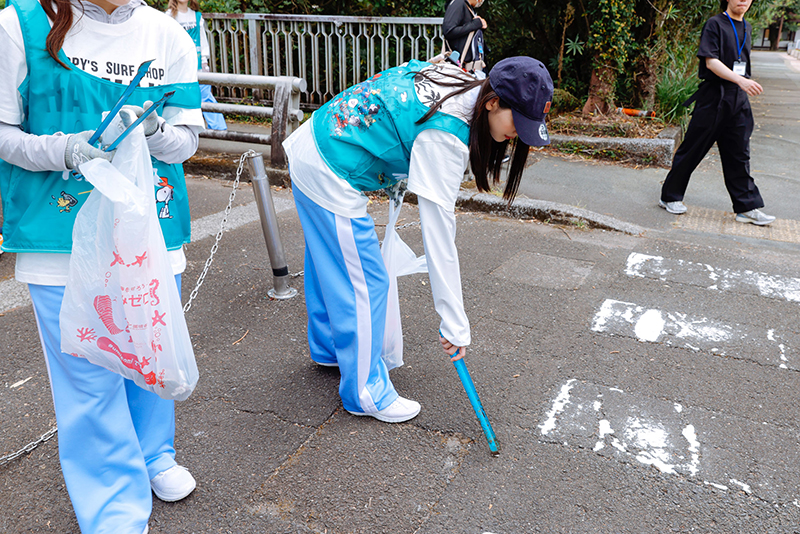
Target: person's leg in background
700	137
734	151
214	121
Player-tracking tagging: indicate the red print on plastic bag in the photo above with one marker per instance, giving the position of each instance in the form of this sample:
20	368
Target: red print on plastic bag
128	360
102	304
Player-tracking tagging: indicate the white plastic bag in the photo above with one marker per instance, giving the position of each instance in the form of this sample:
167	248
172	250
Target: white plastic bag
400	260
121	307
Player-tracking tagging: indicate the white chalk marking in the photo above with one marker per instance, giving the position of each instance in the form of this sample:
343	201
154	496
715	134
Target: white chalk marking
616	317
745	487
558	406
696	333
714	278
239	216
669	445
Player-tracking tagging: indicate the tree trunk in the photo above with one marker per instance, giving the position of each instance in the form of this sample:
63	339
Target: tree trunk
774	37
646	82
601	92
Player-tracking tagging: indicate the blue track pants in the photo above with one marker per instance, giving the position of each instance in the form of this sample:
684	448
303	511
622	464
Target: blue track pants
346	287
214	121
113	436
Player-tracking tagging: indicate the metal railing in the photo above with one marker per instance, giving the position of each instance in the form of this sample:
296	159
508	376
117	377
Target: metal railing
285	111
330	52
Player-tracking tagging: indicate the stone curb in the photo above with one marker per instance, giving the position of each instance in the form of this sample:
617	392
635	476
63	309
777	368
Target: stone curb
525	208
522	208
644	151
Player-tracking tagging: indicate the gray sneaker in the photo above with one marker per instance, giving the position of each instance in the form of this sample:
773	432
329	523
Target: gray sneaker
756	217
676	207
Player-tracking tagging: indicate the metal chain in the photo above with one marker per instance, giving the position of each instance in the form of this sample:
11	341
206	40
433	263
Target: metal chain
214	248
52	432
29	447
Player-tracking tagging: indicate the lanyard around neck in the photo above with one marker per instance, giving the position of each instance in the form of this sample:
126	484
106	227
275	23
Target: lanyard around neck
736	35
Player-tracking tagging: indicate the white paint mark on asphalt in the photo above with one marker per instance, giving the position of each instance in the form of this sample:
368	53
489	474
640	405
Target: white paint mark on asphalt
694	448
678	408
714	278
718	486
696	333
650	431
745	487
239	216
649	326
605	430
617	317
558	406
652	440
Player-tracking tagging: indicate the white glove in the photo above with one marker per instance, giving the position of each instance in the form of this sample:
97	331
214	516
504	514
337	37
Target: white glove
80	151
129	114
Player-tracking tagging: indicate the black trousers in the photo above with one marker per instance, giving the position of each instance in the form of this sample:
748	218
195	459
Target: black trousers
722	114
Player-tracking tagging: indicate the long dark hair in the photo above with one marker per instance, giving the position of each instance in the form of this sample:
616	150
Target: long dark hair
485	154
60	12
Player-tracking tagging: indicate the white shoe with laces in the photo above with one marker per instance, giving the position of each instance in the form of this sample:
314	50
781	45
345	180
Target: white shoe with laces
173	484
757	217
397	412
676	208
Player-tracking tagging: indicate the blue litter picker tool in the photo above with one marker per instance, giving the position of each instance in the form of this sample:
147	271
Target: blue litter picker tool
138	121
140	72
469	387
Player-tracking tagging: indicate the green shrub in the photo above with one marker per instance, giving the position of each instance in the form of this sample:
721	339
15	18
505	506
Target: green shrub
678	81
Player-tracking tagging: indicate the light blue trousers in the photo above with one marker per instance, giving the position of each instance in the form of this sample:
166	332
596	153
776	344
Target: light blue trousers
346	287
113	436
214	121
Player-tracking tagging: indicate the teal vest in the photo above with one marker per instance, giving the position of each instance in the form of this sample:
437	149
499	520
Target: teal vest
194	33
365	133
39	208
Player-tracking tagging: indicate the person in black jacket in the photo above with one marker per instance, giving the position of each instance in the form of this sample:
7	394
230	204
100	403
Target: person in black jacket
463	33
722	114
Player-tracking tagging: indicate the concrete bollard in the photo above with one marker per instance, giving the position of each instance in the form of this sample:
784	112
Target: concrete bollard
269	225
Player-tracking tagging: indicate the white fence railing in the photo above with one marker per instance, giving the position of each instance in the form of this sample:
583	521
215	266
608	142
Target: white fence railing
330	52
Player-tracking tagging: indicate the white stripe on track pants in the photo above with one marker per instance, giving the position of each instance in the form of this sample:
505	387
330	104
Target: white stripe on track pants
346	287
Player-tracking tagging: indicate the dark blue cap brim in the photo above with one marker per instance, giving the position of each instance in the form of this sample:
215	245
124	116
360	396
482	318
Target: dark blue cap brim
530	132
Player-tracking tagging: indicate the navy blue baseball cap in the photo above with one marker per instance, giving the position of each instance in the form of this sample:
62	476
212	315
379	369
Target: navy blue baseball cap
524	84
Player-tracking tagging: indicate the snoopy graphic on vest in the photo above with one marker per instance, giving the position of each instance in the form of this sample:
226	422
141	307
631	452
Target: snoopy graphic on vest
164	194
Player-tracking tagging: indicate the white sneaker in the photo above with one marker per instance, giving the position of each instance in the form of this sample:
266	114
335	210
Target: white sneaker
756	217
400	410
173	484
326	364
676	208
